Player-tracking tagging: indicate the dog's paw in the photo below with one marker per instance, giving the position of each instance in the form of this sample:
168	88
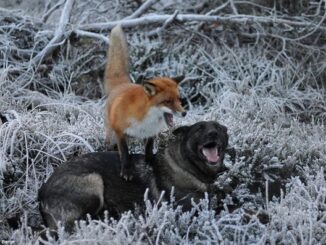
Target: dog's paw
111	147
127	174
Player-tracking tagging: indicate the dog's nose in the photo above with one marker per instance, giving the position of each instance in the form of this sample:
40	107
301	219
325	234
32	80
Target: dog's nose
184	113
212	134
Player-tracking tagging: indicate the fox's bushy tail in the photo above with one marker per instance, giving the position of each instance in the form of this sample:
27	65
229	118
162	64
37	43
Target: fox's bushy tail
117	66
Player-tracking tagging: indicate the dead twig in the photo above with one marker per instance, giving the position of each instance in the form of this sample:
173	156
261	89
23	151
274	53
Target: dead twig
60	34
92	35
218	9
48	13
166	23
233	7
142	9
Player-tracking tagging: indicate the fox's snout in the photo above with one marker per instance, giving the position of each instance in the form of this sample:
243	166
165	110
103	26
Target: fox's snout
181	114
179	110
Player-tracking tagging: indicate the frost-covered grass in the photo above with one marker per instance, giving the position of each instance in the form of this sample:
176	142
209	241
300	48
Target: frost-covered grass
270	95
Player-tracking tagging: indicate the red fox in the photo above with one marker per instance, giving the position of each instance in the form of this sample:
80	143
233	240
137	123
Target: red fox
140	111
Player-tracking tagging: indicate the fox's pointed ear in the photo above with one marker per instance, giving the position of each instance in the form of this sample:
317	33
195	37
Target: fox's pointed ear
149	88
178	79
182	130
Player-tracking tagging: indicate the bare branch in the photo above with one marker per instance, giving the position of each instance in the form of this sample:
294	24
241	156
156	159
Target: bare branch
234	8
166	23
214	11
50	11
141	9
316	27
60	34
228	19
92	34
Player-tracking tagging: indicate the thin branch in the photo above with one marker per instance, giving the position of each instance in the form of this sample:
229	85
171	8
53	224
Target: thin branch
316	27
51	10
142	9
214	11
253	4
166	23
65	16
234	8
91	34
60	34
47	5
11	11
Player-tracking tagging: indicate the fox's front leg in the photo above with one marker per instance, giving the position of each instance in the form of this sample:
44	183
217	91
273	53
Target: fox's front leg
110	138
127	166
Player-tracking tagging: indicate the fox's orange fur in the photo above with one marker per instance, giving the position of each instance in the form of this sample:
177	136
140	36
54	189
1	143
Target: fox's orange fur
141	111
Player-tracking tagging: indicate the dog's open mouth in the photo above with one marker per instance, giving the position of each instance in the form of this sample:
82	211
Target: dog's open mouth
211	152
168	118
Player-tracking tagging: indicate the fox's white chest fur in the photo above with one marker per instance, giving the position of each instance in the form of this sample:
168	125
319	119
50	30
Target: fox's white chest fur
151	125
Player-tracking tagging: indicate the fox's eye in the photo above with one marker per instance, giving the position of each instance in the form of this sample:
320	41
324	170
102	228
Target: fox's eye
168	102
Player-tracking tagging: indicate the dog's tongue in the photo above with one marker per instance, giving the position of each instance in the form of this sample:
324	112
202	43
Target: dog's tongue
211	154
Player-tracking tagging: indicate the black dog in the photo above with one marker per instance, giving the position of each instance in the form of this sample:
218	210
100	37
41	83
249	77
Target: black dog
189	159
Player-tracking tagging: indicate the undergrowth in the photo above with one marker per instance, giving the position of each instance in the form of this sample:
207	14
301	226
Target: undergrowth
268	90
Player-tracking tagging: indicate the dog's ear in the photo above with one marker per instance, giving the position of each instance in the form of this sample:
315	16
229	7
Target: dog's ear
149	88
178	79
180	130
225	129
221	127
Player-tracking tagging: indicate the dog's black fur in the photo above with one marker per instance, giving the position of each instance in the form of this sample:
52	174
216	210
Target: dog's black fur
91	183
